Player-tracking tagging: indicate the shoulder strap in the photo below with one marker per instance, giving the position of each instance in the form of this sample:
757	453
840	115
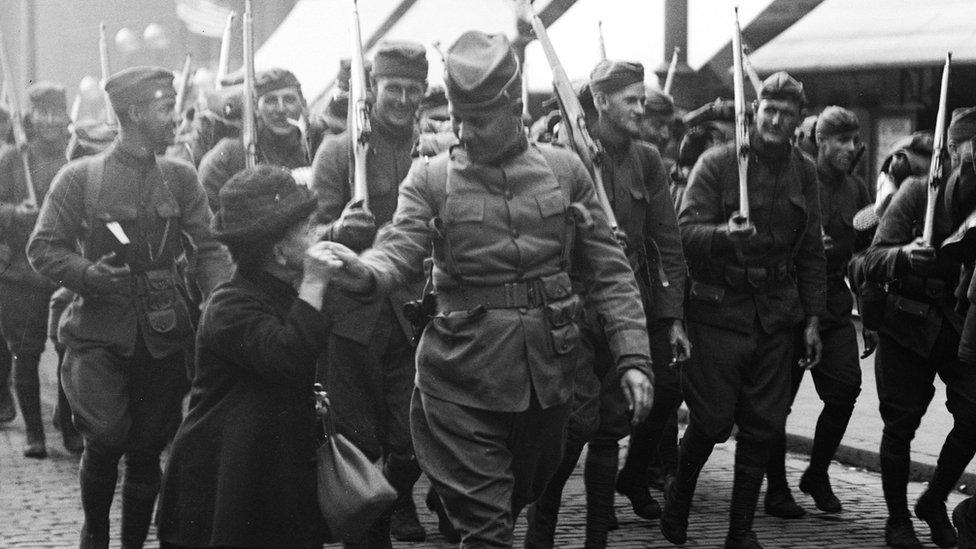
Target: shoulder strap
96	173
569	234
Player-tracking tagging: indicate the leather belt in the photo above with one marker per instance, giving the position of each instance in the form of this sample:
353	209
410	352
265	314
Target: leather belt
513	295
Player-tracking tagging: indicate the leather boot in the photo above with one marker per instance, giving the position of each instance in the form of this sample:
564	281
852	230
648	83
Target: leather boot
900	533
98	476
599	475
818	487
953	458
27	384
8	409
779	500
680	489
138	502
745	495
964	518
403	472
444	524
542	515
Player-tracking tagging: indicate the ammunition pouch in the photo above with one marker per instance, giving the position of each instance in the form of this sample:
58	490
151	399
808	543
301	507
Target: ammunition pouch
162	302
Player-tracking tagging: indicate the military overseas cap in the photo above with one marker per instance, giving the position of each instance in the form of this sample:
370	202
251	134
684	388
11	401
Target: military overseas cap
138	86
260	202
963	124
783	86
835	120
400	59
482	73
658	103
610	76
47	97
275	79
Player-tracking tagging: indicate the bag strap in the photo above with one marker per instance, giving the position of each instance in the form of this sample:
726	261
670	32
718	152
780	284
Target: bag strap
96	174
569	235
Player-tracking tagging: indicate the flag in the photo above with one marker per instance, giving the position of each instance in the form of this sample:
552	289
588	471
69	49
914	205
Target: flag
204	17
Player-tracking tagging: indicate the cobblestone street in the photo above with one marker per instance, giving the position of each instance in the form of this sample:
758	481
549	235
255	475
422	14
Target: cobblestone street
39	505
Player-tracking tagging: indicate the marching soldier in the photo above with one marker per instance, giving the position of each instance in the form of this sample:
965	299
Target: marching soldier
920	337
280	142
495	365
127	331
24	294
370	357
751	286
838	376
637	184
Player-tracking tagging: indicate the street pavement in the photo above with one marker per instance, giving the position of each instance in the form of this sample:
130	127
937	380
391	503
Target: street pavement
39	505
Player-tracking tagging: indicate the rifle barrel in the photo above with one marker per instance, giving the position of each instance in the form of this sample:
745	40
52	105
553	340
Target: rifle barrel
106	72
359	123
741	131
249	123
672	68
937	167
20	137
222	65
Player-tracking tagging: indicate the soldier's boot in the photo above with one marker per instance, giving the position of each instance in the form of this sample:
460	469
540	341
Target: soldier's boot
599	475
964	518
403	472
98	476
377	537
28	386
542	515
8	408
931	505
632	481
138	501
900	533
779	500
831	426
444	524
666	460
679	490
742	510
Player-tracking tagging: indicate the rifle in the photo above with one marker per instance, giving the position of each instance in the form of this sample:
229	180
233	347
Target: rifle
574	119
17	122
741	218
672	68
106	72
184	85
249	132
603	44
359	125
751	71
225	49
937	169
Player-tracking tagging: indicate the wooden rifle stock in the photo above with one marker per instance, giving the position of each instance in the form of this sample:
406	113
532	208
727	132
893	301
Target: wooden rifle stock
741	129
573	118
939	166
249	120
17	121
224	59
359	115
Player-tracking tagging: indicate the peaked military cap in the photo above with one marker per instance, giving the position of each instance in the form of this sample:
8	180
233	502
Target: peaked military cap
836	120
963	124
275	79
783	86
47	97
139	85
400	59
482	73
610	76
658	103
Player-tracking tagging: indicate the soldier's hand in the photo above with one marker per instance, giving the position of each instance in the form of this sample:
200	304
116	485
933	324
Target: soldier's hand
870	342
353	276
320	263
680	344
107	277
740	229
26	212
813	346
639	393
920	256
355	228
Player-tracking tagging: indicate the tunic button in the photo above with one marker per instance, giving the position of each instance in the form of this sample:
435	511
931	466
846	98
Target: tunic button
523	310
515	233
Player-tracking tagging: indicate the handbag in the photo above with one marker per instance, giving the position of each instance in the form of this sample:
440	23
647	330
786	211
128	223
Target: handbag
352	490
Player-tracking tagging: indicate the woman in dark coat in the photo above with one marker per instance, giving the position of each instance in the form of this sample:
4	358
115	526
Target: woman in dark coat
242	469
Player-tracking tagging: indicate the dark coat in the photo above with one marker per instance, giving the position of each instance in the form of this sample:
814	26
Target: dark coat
840	198
785	209
242	469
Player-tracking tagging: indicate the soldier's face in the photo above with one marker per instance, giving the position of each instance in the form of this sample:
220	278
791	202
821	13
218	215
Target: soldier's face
157	120
776	120
49	126
623	109
397	100
490	135
840	149
277	107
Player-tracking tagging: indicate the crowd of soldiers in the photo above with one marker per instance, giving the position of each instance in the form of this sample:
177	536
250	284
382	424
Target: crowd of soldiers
542	328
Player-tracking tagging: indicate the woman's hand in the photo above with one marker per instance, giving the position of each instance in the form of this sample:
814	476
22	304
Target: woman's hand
320	265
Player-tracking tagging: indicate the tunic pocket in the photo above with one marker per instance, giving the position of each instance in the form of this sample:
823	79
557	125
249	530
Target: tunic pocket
551	203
